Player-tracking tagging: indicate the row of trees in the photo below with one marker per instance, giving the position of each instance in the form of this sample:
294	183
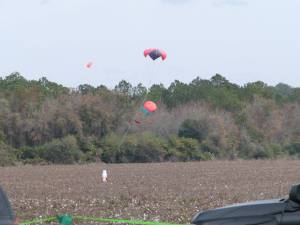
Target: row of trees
41	121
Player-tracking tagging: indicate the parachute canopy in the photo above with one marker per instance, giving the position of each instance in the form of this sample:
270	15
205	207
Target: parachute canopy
155	53
89	65
150	106
145	111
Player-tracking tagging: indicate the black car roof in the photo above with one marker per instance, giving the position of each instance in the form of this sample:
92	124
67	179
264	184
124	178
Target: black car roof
257	209
6	212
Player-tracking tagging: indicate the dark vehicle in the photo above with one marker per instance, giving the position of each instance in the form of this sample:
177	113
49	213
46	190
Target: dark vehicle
267	212
7	216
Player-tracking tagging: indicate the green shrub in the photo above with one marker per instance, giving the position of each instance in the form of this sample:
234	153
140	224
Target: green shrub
293	149
63	150
185	149
197	129
29	153
7	156
144	147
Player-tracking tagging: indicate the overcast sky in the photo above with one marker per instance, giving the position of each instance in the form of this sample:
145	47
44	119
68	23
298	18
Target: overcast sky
244	40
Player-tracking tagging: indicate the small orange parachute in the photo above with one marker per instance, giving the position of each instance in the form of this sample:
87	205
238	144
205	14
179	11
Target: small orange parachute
89	65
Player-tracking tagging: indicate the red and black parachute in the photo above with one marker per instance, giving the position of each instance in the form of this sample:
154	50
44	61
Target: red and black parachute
155	53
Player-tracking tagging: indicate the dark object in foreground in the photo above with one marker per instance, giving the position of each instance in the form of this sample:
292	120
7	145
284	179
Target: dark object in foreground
7	216
266	212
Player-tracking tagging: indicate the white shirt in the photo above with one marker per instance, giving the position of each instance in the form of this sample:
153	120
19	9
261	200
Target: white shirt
104	173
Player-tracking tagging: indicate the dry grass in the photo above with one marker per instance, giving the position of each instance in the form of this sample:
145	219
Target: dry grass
171	192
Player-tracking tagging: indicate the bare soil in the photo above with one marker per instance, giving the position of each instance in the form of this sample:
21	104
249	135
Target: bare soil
170	192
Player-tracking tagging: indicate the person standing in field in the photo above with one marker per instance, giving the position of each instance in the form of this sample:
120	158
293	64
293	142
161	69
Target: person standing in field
104	176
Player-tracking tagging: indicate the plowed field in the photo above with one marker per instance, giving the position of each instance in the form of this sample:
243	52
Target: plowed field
171	192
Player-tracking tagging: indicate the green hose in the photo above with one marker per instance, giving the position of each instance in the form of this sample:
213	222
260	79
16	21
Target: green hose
67	220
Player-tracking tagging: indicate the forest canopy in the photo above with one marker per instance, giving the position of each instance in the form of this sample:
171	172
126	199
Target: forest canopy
44	122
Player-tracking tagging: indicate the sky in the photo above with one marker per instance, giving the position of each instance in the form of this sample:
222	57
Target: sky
243	40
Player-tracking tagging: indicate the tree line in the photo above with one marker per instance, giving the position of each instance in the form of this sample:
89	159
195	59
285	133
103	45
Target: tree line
44	122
